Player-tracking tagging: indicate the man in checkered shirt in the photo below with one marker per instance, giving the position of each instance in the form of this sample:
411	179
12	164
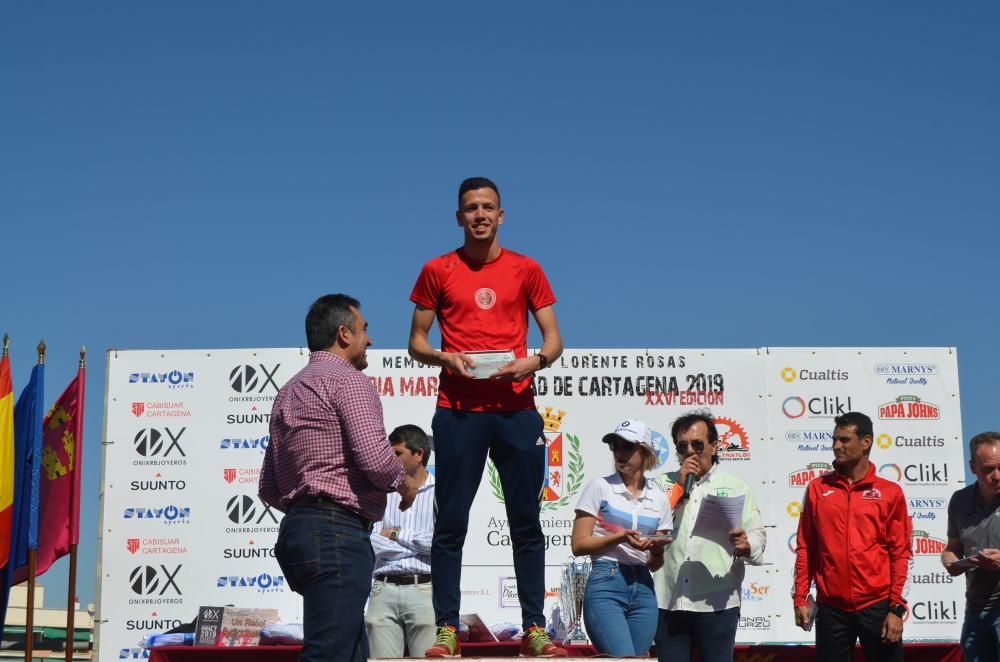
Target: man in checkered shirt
329	467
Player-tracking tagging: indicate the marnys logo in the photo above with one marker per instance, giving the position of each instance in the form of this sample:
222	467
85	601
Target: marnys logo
817	407
563	464
801	477
811	440
157	409
174	379
908	408
926	507
906	374
806	375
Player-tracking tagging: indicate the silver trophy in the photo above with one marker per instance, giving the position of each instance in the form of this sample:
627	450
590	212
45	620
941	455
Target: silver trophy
571	590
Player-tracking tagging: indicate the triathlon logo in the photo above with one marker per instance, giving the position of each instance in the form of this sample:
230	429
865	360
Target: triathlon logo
485	298
734	443
563	464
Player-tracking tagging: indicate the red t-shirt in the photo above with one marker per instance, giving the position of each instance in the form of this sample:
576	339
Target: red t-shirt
483	306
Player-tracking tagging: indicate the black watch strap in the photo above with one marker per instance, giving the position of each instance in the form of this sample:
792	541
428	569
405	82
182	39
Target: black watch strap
898	610
543	361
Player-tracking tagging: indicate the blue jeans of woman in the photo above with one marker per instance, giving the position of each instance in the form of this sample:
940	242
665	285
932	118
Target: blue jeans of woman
619	609
326	556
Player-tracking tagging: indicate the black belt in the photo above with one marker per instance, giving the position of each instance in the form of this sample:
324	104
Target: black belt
403	579
329	504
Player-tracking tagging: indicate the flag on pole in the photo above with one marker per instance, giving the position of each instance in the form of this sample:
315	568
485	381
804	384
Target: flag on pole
59	483
6	457
27	448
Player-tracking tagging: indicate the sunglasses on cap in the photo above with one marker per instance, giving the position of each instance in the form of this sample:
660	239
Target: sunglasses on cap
697	445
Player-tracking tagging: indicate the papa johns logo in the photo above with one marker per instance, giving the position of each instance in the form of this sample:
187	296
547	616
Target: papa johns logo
562	481
909	408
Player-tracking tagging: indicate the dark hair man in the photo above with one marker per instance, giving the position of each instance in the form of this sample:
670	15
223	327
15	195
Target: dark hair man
974	533
698	589
400	615
480	295
854	542
329	466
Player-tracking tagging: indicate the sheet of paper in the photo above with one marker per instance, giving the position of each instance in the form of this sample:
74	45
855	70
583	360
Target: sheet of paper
717	516
488	363
963	563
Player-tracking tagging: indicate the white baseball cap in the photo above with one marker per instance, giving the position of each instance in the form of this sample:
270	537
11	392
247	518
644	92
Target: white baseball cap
633	431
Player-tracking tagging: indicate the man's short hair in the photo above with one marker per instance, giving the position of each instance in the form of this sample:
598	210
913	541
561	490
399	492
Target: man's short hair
982	439
474	183
325	317
413	438
855	419
684	423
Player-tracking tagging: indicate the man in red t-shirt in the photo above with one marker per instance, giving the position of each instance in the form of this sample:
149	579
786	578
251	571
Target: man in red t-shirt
481	294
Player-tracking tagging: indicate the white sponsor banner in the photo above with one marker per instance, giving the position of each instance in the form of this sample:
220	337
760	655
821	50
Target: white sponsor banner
186	430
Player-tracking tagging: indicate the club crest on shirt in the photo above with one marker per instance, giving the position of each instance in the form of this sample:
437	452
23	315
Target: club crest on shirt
874	494
485	298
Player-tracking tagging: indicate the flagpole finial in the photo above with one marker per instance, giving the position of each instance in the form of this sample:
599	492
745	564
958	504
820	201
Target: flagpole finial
6	343
83	356
41	351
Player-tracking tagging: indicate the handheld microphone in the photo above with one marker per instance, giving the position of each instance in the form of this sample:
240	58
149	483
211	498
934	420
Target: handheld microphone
688	485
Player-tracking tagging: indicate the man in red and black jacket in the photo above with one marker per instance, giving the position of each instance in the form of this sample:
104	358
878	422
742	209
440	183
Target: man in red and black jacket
854	542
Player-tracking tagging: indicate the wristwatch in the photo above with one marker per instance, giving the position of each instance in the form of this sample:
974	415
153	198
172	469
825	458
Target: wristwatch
898	610
543	361
393	535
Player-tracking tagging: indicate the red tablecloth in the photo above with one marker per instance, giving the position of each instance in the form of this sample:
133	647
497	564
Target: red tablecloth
945	652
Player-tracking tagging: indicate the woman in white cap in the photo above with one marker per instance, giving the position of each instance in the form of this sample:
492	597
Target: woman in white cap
623	523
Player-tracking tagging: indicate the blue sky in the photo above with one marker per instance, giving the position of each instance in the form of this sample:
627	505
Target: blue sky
185	174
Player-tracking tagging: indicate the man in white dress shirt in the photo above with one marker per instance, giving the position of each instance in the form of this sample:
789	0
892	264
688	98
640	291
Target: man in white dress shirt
400	610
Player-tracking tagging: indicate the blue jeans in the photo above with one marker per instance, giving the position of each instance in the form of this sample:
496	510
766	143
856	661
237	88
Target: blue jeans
712	633
619	609
981	635
514	441
326	556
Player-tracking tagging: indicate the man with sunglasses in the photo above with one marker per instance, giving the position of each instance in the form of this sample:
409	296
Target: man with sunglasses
698	590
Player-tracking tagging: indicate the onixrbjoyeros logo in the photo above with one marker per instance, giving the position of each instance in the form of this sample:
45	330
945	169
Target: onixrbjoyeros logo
250	514
159	447
254	383
155	584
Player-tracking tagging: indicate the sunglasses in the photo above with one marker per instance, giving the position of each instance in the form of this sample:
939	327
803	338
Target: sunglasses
620	445
697	445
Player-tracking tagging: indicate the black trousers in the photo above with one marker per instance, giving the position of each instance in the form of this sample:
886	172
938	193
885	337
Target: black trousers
837	631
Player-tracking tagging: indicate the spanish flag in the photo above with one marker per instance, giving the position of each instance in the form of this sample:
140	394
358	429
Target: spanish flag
6	459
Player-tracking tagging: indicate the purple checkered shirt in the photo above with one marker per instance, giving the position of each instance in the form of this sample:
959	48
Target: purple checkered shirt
328	439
